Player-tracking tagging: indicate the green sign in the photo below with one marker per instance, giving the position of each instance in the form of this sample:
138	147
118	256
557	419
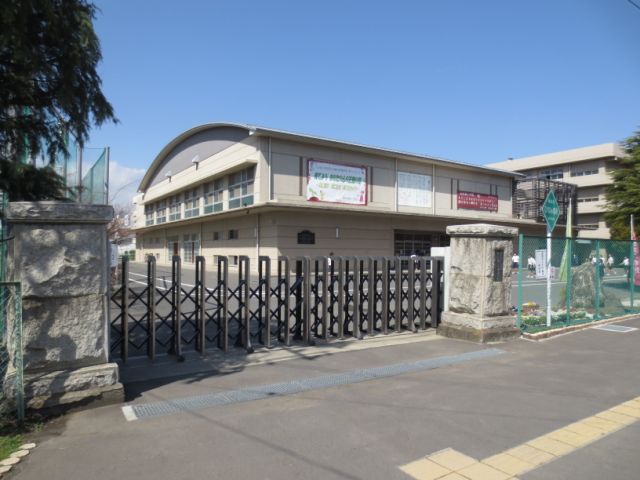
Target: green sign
551	210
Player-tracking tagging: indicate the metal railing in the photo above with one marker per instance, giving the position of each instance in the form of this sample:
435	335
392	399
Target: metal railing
286	300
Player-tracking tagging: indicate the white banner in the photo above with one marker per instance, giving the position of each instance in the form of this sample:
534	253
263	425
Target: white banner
541	263
331	182
414	190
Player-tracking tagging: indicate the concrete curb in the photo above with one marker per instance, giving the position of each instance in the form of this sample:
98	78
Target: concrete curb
574	328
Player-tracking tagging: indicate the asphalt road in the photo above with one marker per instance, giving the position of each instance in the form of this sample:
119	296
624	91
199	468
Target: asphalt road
363	430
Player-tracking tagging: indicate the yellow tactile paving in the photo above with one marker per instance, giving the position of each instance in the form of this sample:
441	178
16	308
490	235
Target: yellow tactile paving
619	418
450	464
569	437
531	455
452	459
508	464
549	445
481	471
424	469
453	476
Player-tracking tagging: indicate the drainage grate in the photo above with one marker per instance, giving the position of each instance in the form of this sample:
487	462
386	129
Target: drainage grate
157	409
615	328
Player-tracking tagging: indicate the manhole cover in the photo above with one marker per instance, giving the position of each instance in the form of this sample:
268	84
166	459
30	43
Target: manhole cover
615	328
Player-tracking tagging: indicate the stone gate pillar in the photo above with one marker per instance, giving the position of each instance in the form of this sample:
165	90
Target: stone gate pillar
480	284
60	255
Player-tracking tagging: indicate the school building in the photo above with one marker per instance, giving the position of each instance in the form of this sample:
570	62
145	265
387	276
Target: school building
233	189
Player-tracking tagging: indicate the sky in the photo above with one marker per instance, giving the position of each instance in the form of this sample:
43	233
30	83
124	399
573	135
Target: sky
467	80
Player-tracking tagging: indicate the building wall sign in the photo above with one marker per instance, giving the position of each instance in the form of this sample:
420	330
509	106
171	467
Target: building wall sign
477	201
336	183
414	190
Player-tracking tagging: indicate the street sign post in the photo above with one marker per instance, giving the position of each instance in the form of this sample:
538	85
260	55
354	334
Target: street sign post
551	213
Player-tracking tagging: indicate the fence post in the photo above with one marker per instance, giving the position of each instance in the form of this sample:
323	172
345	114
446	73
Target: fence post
244	270
18	365
265	272
341	280
521	257
176	278
598	280
567	295
632	274
326	296
436	273
125	308
199	306
223	295
384	314
306	301
151	306
372	287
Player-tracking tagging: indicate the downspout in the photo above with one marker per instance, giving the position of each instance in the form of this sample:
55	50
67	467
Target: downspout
270	178
257	237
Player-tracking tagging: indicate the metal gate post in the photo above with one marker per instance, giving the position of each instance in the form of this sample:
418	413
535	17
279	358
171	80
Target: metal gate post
201	342
125	308
411	294
151	306
384	315
176	277
372	290
436	273
306	301
265	271
399	292
326	297
423	291
356	298
223	295
341	279
243	270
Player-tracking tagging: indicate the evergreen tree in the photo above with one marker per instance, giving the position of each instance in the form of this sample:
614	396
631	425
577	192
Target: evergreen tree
623	195
49	85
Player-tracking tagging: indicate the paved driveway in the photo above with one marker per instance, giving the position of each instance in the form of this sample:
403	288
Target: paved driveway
478	401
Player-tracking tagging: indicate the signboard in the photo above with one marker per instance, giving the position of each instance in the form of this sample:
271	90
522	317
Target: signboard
636	259
551	210
477	201
541	263
332	182
414	189
113	253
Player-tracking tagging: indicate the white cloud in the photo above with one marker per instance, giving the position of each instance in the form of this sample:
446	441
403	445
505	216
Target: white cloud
123	183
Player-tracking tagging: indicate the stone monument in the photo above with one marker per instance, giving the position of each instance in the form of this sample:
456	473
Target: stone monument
59	253
480	284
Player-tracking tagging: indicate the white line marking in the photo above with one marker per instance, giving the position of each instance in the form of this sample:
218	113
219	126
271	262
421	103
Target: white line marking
128	413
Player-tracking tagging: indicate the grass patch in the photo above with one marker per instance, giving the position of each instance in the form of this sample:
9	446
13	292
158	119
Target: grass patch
9	444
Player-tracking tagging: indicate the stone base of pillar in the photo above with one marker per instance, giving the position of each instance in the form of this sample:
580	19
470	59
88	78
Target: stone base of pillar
64	390
475	328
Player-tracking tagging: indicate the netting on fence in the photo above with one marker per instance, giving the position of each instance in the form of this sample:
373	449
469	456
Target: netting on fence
12	389
590	280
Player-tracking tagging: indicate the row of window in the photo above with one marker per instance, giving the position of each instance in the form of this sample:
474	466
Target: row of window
588	199
240	188
582	173
558	173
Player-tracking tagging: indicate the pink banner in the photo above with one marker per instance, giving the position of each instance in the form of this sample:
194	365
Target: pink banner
636	259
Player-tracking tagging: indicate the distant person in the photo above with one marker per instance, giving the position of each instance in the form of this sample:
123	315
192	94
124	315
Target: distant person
531	266
330	262
610	262
625	265
515	262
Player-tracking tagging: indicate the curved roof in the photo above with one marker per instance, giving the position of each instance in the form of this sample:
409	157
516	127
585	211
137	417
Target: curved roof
255	130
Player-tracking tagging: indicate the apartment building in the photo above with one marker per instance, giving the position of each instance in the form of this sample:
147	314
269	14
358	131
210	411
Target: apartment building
589	168
232	189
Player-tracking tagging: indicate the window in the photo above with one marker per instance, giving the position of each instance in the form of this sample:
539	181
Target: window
161	211
588	199
213	196
241	188
588	226
306	237
233	234
175	207
191	203
148	214
190	248
216	236
581	173
551	173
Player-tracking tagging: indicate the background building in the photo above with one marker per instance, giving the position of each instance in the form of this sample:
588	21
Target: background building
228	189
589	168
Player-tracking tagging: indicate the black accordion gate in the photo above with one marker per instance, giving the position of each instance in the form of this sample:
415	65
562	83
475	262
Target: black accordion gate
290	300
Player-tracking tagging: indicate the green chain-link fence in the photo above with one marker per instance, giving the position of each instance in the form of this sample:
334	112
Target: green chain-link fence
590	280
12	389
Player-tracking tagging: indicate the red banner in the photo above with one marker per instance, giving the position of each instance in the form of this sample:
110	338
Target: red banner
477	201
